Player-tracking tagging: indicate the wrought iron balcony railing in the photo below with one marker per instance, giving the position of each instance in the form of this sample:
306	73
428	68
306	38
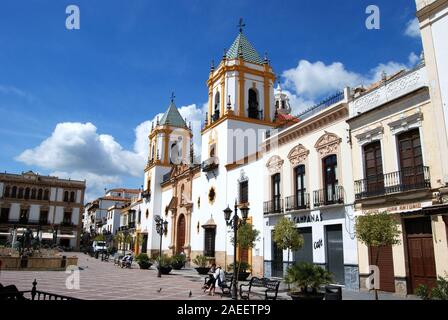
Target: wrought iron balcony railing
328	196
210	164
273	206
255	114
407	179
215	116
297	202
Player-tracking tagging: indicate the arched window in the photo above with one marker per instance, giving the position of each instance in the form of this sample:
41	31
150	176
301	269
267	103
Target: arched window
216	108
65	196
253	105
14	192
175	157
39	194
46	194
330	169
20	196
212	150
27	193
33	193
7	191
72	196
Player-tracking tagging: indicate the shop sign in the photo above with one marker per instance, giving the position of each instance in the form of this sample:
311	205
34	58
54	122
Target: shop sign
308	218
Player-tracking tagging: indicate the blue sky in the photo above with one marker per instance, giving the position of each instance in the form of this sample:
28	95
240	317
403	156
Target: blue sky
106	80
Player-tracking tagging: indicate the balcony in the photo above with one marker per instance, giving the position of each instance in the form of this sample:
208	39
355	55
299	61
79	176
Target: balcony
146	195
408	179
67	223
299	202
210	164
328	196
215	116
255	114
273	206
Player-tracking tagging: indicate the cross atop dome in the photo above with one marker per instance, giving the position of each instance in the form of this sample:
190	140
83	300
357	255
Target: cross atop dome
241	25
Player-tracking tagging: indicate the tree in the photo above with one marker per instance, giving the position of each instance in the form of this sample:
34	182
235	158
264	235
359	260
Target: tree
247	236
377	230
286	236
122	240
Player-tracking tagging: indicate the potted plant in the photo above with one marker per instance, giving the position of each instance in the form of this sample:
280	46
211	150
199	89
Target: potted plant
307	279
201	262
178	261
143	261
164	264
242	269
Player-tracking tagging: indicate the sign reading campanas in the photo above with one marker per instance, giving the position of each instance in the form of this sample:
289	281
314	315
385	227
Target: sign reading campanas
396	209
308	218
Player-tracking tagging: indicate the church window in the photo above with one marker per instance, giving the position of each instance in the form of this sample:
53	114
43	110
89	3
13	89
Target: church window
244	191
209	242
215	116
253	111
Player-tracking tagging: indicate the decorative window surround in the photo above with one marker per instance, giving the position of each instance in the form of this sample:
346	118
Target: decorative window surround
406	123
298	155
274	164
370	135
328	144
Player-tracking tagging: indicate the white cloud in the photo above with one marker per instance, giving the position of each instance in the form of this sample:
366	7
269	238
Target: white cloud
77	151
312	81
12	90
413	28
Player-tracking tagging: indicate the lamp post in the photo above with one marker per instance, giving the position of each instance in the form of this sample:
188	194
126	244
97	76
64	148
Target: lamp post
162	229
234	222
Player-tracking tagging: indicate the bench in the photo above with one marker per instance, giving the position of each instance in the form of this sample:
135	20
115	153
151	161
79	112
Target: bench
270	288
225	286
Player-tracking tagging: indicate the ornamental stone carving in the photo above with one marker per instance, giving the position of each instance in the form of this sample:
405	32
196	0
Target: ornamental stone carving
298	155
328	144
274	164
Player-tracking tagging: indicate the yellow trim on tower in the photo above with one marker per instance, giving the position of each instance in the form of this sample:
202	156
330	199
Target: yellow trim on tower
222	96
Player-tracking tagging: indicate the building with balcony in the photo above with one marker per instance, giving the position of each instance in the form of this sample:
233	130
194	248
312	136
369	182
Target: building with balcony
102	214
308	178
397	169
49	206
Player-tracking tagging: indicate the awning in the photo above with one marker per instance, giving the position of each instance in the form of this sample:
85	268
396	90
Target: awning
66	236
427	211
47	235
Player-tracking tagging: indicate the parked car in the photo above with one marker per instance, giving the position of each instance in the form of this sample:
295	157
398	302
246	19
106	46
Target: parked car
99	246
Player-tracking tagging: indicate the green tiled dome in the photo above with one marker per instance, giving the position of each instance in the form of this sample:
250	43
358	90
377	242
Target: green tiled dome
248	51
172	117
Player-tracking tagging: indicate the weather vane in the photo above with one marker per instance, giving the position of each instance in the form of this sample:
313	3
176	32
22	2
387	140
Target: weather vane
172	96
241	25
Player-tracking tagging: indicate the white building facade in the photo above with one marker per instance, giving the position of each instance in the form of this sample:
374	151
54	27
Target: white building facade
308	179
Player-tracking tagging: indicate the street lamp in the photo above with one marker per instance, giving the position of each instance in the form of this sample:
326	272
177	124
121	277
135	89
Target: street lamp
162	229
234	223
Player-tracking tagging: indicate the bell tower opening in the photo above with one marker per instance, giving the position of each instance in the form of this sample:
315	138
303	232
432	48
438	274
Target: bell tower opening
253	111
215	115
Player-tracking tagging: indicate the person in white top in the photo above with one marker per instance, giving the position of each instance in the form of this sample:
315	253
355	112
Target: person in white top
219	279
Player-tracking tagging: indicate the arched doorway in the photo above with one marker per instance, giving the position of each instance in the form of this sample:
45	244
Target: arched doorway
180	234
